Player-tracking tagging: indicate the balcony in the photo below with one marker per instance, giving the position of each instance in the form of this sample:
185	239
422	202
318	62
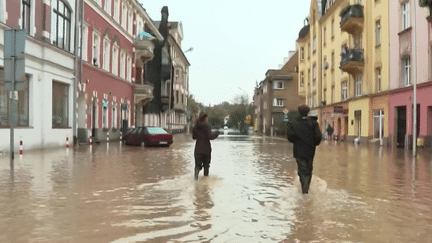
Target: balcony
143	93
352	61
352	19
144	46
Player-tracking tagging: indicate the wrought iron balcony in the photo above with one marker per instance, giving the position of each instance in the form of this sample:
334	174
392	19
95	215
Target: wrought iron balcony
143	93
352	19
352	61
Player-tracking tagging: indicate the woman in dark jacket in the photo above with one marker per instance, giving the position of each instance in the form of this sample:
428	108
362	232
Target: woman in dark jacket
203	134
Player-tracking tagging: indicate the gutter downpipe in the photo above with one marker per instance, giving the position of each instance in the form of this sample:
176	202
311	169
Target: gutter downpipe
415	82
74	85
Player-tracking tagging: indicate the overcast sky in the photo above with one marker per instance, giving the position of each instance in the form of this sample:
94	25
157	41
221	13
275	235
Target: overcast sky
235	41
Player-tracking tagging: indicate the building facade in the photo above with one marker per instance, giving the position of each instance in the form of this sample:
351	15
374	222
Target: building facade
276	96
112	85
344	90
410	41
46	105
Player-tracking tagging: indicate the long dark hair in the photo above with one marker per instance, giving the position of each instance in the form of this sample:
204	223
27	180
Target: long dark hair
201	118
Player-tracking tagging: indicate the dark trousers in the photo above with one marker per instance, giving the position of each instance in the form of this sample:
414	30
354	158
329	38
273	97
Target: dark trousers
202	160
304	168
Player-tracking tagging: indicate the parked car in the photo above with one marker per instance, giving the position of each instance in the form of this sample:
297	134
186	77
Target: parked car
148	136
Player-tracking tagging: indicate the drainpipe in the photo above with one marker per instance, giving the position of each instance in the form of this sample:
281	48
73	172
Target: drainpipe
414	82
74	84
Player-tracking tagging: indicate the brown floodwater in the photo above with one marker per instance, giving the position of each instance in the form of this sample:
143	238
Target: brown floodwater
119	193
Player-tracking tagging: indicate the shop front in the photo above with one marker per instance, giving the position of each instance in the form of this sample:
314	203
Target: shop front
337	117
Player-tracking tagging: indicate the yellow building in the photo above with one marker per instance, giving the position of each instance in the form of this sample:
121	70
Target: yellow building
346	80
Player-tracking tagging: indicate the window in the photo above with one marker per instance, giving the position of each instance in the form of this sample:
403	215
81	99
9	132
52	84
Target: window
314	43
332	28
130	22
122	65
314	100
3	11
324	35
60	105
378	80
325	96
106	55
302	53
332	60
405	16
301	78
114	115
344	91
129	69
117	10
23	104
265	89
115	57
265	105
105	113
309	50
61	25
309	100
333	94
107	7
358	85
177	97
278	85
313	75
406	71
378	33
124	16
84	43
96	48
278	102
309	76
25	17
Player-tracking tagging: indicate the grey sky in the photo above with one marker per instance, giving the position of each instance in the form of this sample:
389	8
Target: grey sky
235	42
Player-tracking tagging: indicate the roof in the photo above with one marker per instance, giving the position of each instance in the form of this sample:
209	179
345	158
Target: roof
303	32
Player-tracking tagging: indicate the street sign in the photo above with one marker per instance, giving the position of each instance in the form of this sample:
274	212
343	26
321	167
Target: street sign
14	59
14	43
286	117
285	111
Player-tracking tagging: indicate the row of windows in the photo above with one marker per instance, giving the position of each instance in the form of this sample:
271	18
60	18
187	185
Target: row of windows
113	60
120	11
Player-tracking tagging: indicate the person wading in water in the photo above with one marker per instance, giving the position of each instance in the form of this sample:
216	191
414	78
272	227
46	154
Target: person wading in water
203	134
305	134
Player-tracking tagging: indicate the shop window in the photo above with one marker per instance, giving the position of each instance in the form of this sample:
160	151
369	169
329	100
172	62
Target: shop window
60	105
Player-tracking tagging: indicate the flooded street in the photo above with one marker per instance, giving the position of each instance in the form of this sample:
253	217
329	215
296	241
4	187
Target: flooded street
134	194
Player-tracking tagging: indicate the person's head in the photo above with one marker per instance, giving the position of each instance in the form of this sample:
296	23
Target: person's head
303	110
202	117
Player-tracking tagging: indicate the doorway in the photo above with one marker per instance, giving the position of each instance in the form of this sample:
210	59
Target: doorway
357	123
401	125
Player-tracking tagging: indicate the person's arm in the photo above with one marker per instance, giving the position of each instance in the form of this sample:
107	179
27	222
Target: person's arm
291	134
211	135
194	136
317	134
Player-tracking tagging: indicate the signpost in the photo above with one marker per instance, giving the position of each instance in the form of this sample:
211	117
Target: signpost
14	75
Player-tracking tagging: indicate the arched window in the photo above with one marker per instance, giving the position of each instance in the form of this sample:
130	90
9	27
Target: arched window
61	24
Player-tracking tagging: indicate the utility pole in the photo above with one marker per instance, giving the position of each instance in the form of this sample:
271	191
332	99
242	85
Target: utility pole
414	82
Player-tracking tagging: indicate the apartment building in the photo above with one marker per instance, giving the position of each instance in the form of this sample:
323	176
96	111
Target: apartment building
345	91
276	96
45	106
115	50
410	62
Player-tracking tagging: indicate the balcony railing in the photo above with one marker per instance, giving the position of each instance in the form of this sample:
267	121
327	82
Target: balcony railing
352	61
144	46
352	19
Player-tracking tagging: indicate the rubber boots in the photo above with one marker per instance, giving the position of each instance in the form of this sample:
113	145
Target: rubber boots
305	182
197	170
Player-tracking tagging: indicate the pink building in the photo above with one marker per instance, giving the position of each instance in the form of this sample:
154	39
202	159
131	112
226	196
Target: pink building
112	84
409	65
